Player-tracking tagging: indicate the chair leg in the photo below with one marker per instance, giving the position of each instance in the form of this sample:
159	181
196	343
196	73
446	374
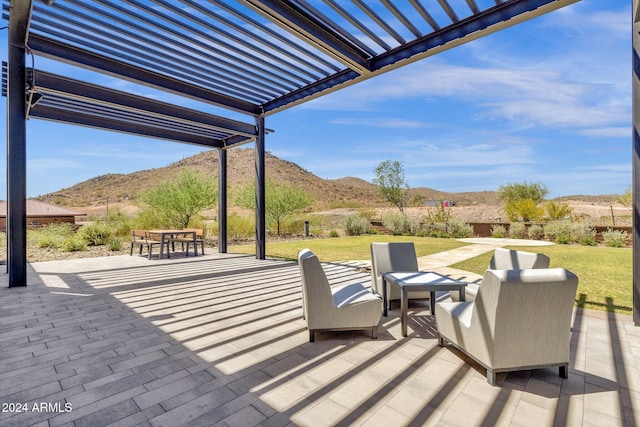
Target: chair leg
374	332
440	340
312	336
491	377
131	250
564	371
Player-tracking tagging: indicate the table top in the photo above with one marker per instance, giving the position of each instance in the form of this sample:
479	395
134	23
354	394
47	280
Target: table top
409	278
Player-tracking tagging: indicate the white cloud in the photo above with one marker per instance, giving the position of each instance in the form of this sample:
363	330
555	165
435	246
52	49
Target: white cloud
607	132
381	122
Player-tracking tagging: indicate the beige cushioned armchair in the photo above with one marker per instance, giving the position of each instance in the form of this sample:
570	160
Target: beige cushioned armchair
326	307
388	257
506	259
520	319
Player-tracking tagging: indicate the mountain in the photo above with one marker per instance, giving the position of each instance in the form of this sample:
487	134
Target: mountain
125	188
348	192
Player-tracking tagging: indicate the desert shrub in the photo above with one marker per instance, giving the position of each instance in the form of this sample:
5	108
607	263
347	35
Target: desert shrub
115	244
523	210
52	235
558	210
584	234
239	227
559	231
536	231
438	214
459	229
369	214
498	231
334	233
518	230
148	219
614	238
355	225
48	241
436	229
397	223
413	226
73	244
96	234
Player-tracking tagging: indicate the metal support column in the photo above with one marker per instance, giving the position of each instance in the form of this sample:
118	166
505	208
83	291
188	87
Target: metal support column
636	162
19	15
222	201
261	248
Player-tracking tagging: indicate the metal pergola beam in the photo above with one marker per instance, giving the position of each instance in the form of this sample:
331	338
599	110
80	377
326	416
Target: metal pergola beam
300	24
88	120
76	88
463	31
73	55
17	144
635	159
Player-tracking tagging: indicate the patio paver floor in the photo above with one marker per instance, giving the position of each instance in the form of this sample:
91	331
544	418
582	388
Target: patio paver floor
219	340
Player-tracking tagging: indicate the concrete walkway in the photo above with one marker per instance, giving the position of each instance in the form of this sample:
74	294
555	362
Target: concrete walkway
478	246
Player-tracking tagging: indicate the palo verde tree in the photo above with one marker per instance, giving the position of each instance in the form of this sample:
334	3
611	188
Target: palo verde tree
522	200
281	200
626	198
391	183
178	201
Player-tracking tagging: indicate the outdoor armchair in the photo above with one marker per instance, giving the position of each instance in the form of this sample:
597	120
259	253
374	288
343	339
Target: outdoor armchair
506	259
326	307
520	319
389	257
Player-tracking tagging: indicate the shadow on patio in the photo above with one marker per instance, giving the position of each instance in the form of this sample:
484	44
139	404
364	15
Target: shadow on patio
219	340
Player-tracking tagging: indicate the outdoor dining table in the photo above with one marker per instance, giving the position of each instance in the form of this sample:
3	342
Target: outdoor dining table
418	281
167	236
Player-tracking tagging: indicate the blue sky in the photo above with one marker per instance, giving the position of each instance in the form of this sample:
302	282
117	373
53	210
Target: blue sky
548	101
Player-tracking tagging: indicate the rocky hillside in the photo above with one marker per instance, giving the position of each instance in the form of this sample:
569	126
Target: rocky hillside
348	192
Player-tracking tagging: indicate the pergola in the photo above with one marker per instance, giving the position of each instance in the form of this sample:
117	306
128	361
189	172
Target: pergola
254	57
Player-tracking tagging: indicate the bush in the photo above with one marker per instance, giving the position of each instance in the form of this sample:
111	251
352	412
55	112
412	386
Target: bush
558	210
73	244
97	234
565	231
49	241
334	233
240	228
536	231
355	225
518	230
115	244
558	231
584	234
459	229
397	223
614	238
498	231
436	229
52	235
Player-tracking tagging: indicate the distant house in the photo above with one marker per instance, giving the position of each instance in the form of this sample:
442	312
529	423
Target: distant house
39	214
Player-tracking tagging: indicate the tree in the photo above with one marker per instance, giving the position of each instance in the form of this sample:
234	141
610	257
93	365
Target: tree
281	200
180	200
391	183
521	200
626	198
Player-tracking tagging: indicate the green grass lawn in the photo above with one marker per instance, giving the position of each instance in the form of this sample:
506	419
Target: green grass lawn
604	274
348	248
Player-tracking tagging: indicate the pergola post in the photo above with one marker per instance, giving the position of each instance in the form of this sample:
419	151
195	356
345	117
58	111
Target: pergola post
261	248
636	163
17	144
222	201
